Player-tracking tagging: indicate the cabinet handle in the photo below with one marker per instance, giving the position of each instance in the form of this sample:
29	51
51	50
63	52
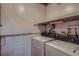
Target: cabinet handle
3	38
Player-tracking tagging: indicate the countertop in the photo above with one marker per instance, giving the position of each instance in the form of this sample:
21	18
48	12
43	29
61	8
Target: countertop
22	34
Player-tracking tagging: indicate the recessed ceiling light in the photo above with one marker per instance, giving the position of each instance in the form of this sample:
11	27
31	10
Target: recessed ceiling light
69	8
21	8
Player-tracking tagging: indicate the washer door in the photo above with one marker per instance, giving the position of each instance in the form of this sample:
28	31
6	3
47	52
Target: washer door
37	48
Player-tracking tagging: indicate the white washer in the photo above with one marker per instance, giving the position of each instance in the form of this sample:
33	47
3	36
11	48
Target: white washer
38	45
60	48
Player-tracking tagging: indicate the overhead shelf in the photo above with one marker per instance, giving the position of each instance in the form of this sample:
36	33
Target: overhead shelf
67	19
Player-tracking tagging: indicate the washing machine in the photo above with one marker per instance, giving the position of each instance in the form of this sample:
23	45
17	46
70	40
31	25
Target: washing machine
38	45
61	48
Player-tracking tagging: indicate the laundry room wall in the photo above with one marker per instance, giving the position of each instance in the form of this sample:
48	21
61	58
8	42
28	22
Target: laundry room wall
62	10
63	27
20	18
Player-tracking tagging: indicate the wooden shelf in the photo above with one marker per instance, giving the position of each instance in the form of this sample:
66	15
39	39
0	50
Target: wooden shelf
67	19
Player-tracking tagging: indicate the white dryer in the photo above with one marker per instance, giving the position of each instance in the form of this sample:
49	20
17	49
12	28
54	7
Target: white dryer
38	45
61	48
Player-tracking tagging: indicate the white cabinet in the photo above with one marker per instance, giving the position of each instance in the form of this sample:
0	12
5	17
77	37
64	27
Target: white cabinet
16	46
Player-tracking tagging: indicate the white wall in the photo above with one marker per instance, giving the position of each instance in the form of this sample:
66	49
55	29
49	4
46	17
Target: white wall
55	11
18	21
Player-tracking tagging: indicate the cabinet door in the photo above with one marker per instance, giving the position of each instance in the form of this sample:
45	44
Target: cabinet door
51	51
16	46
